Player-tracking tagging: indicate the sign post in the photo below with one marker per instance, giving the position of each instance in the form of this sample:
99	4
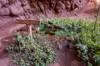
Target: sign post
28	23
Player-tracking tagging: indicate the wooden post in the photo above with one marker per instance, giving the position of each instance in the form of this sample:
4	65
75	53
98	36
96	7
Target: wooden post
30	30
29	23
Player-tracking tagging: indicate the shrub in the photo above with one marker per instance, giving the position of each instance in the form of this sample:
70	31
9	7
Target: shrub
85	38
27	51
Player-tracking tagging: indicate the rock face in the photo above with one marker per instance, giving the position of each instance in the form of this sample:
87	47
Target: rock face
38	8
51	8
13	7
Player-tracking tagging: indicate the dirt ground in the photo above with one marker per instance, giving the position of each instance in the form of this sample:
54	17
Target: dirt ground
67	57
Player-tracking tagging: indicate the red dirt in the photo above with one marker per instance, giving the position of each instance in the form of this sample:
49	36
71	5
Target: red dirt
6	29
67	57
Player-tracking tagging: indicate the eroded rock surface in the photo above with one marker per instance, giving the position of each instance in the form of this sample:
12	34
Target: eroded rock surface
13	7
29	8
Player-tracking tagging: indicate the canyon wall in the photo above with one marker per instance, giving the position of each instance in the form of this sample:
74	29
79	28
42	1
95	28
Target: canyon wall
40	8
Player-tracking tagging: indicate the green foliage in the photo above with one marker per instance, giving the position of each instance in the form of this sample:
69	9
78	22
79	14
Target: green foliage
27	51
85	38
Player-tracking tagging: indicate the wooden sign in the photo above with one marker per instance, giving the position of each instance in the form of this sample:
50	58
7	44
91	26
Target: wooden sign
28	22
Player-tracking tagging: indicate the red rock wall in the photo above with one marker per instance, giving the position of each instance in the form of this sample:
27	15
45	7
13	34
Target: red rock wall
38	8
56	7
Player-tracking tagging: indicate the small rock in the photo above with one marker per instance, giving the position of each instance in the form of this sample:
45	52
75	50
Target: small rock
4	11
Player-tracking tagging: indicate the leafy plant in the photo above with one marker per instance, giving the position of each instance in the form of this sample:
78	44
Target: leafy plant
85	38
27	51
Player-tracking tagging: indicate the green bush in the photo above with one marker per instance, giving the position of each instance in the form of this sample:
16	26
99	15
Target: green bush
27	51
85	38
